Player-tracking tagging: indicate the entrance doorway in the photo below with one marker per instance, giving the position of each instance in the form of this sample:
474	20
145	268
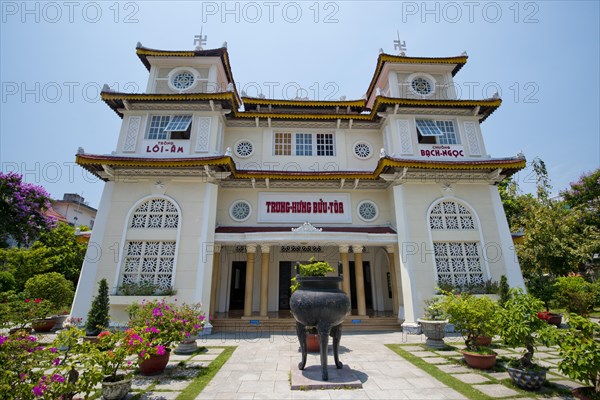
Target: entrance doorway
367	280
238	285
285	275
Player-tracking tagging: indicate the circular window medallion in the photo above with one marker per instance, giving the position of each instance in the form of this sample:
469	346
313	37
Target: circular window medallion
244	148
240	210
362	150
182	79
421	86
367	210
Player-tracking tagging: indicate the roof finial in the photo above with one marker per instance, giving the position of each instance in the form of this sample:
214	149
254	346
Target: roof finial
464	53
200	40
400	46
138	45
224	45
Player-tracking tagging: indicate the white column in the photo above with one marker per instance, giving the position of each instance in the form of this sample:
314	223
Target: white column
511	263
410	324
345	269
360	281
87	286
393	276
248	294
264	280
206	240
215	278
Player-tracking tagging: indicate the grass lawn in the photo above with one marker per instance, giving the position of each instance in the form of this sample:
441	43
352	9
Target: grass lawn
468	390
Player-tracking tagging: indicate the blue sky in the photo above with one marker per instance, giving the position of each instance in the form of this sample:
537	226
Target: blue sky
542	56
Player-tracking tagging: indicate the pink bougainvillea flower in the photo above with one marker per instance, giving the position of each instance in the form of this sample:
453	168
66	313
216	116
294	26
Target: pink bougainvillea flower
160	350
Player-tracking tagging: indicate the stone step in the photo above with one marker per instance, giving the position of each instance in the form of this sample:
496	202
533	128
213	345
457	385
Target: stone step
274	325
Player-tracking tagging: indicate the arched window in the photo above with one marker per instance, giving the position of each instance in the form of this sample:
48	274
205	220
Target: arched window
456	244
151	245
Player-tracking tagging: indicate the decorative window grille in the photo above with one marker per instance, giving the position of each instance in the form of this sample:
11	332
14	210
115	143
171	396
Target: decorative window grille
367	210
450	215
155	214
149	262
421	86
301	249
458	263
240	210
362	150
244	148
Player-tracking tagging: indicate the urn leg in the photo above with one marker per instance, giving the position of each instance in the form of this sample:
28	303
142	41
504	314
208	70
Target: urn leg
324	331
301	332
336	334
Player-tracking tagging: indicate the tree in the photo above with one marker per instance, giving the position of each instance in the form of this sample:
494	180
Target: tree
62	251
23	264
97	318
585	195
51	286
555	240
22	210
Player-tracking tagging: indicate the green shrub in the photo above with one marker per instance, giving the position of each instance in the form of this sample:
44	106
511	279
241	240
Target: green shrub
579	348
51	286
7	281
542	287
434	310
97	318
474	316
575	294
312	268
503	291
520	326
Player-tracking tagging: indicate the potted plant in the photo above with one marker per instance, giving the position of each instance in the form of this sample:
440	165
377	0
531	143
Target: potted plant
579	347
520	327
18	311
542	287
40	310
97	318
475	318
154	326
434	323
55	288
114	364
318	302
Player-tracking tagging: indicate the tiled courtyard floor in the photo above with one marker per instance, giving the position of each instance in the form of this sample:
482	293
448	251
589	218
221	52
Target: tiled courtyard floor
260	368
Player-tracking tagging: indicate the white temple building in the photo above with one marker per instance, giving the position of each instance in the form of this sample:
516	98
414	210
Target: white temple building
216	196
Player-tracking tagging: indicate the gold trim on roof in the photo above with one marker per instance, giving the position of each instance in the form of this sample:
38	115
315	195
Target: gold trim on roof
227	161
169	96
305	103
164	53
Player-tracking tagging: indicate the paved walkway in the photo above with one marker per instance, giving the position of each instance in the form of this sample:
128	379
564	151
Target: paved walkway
260	369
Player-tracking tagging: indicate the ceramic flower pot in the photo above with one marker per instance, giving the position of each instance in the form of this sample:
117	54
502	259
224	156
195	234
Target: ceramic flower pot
43	325
483	341
116	390
434	331
554	319
584	392
479	361
155	364
526	378
187	346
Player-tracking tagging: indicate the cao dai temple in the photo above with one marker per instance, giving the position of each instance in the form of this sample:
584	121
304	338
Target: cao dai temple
217	195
